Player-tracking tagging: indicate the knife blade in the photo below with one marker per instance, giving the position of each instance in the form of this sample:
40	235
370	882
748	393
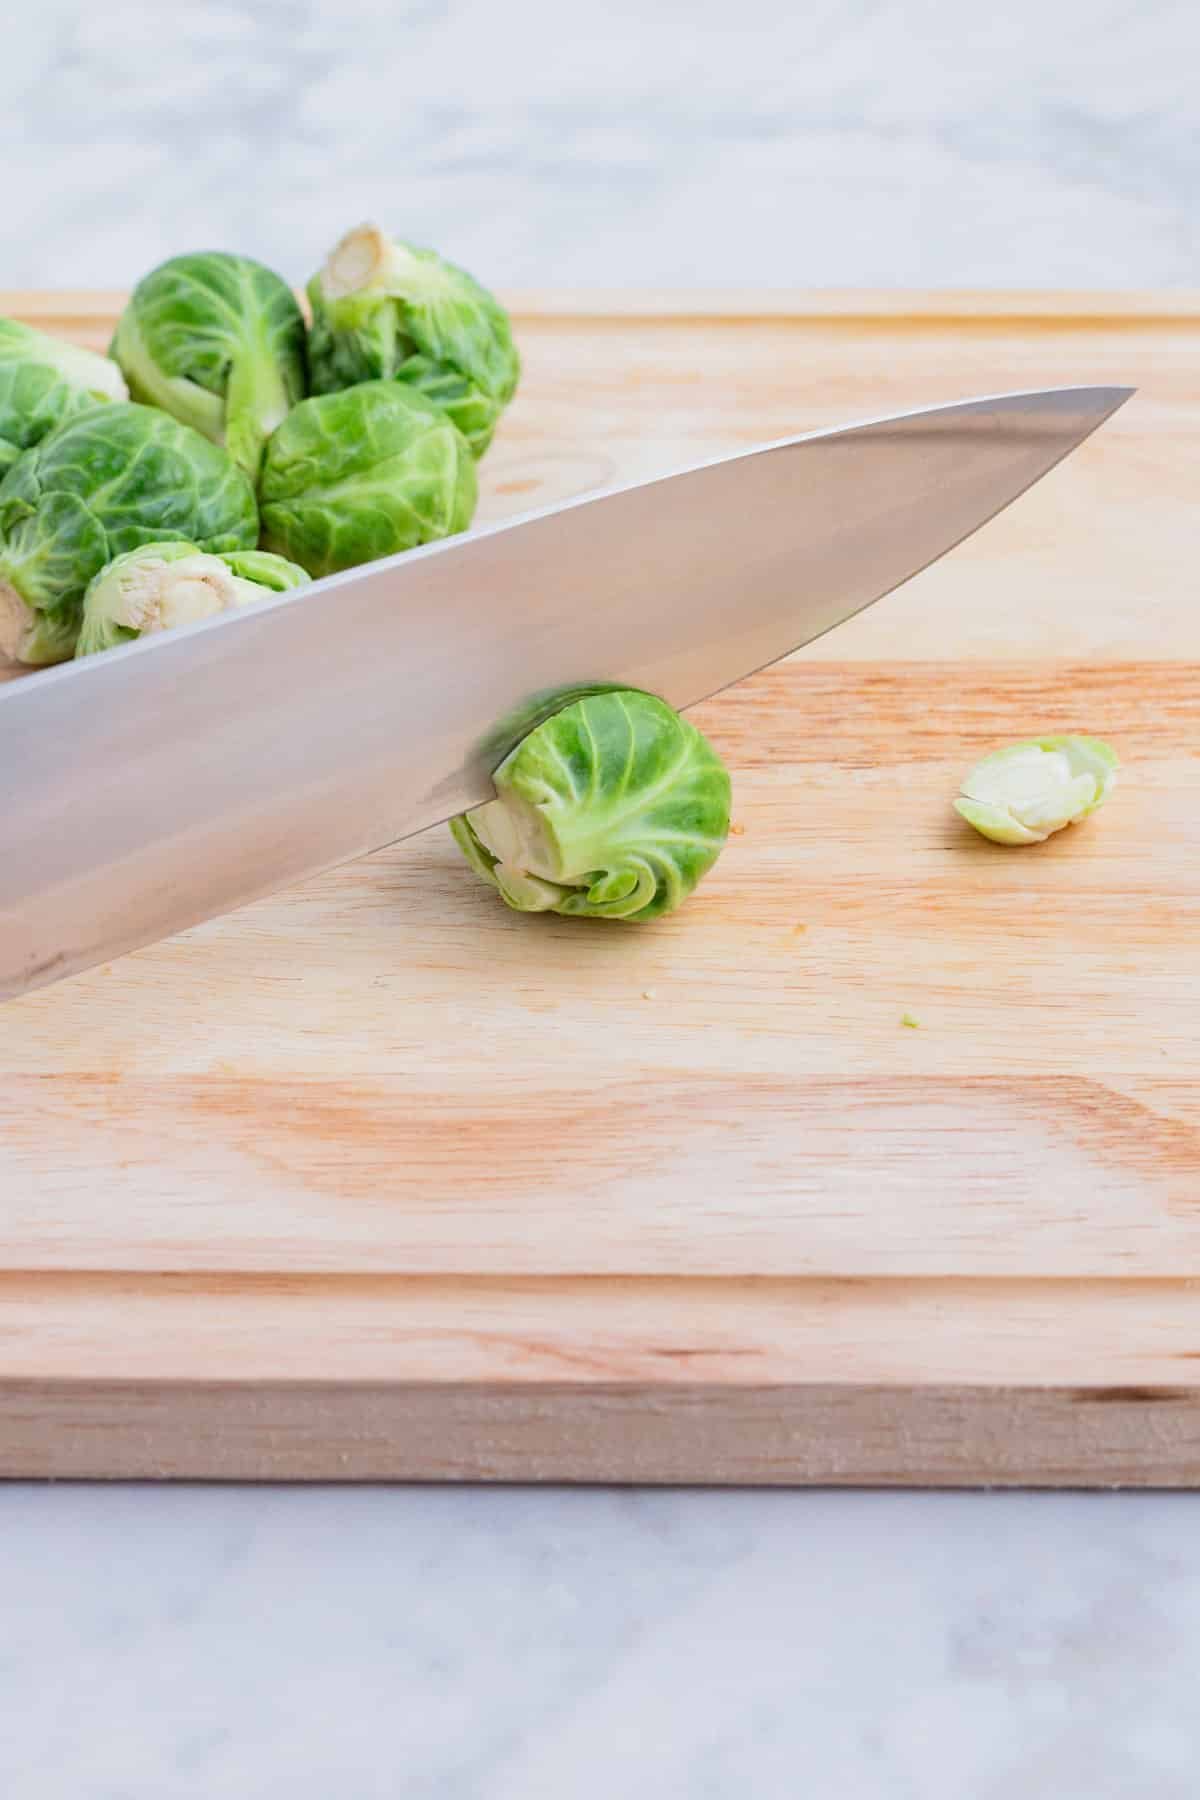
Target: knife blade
186	774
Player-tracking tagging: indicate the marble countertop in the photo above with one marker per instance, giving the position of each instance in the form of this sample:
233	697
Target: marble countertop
464	1644
841	143
505	1645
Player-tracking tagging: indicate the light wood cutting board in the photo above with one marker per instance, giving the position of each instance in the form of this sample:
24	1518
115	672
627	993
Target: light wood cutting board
379	1179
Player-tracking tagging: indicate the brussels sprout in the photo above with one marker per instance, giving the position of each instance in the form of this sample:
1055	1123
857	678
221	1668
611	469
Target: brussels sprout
160	585
43	383
1023	794
383	309
114	478
611	809
217	341
363	473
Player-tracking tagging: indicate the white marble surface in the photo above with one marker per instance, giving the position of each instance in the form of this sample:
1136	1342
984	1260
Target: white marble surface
910	142
160	1644
515	1645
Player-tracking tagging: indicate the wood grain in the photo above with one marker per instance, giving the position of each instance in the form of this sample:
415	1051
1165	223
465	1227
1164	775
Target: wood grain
378	1179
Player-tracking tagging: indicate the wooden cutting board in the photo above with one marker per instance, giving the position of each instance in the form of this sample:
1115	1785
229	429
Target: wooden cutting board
379	1179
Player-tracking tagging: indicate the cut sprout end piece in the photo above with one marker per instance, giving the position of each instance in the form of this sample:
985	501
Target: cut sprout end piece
1025	793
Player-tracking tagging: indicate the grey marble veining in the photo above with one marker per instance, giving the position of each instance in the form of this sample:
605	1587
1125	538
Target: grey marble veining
491	1645
517	1644
844	142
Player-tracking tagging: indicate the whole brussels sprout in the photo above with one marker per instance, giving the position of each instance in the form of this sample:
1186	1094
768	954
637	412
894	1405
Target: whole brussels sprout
352	476
43	383
383	309
612	809
1025	793
109	480
157	586
217	341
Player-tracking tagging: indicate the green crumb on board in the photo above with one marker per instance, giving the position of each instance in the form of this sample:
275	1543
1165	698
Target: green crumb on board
912	1022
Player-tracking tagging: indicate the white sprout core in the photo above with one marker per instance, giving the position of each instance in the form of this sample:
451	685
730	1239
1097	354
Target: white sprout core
355	261
1023	794
513	833
367	260
14	622
1036	787
527	871
155	595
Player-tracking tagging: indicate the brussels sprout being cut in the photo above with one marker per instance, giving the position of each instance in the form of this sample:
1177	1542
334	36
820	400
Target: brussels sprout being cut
161	585
1025	793
611	809
43	383
352	476
217	341
382	309
114	478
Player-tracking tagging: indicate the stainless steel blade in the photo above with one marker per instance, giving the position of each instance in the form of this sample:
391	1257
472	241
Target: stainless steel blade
181	776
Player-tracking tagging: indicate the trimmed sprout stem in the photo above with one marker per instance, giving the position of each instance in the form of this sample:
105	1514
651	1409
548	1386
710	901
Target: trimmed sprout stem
155	596
14	622
367	260
357	261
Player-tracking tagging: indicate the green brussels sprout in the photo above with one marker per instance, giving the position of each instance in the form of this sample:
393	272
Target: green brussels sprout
352	476
43	383
107	481
218	342
1023	794
157	586
382	310
611	809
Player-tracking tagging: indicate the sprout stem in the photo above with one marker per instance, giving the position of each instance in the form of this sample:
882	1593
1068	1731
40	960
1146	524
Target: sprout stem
14	622
355	261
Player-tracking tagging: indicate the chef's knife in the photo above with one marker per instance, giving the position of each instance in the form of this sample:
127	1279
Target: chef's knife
180	776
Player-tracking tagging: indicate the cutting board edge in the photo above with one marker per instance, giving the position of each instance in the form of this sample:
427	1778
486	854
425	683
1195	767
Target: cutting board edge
818	1435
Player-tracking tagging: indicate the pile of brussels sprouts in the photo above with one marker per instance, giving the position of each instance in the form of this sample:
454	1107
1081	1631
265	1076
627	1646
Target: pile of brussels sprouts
221	420
226	450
